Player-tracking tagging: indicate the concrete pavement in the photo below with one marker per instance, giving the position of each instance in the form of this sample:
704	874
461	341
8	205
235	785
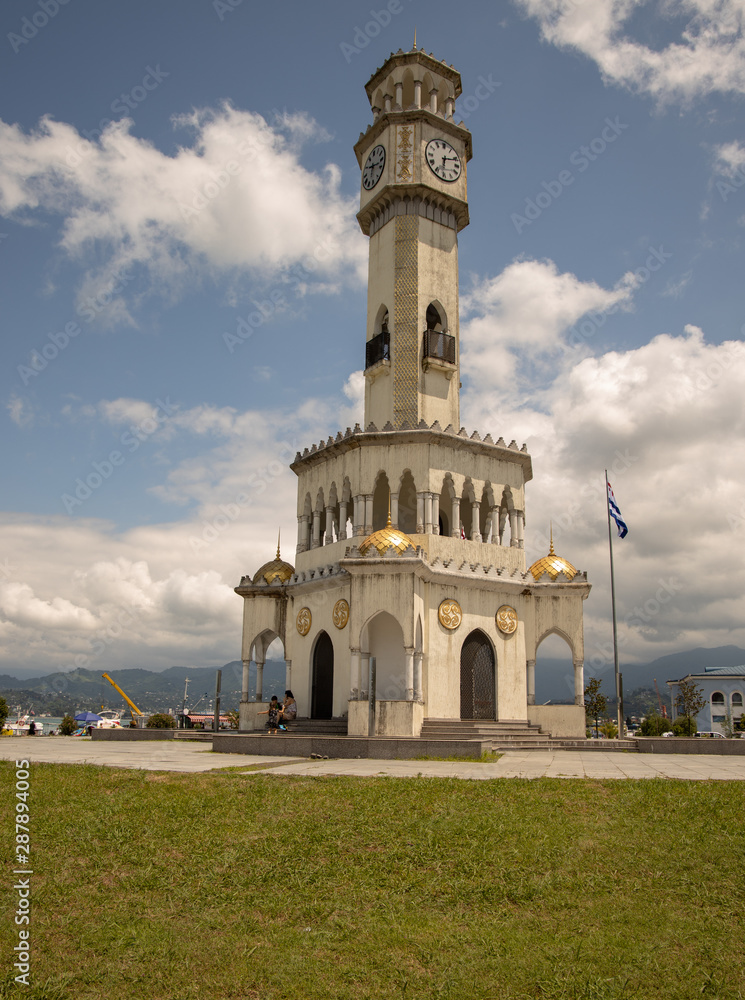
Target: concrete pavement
195	757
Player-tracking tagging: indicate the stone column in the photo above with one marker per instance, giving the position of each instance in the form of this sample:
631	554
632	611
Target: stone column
388	101
409	674
399	95
428	513
359	515
368	514
418	676
303	533
417	93
433	100
420	513
531	682
436	513
455	530
259	680
579	682
502	525
244	685
364	676
343	519
316	539
475	521
494	514
354	675
288	674
513	529
449	107
520	529
329	538
394	509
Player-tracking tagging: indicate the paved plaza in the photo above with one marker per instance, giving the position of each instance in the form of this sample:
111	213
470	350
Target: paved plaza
181	756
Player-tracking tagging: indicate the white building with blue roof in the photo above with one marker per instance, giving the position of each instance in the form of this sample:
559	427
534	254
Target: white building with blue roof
723	688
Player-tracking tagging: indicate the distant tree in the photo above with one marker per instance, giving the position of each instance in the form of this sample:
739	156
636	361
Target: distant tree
728	725
233	718
161	721
684	725
609	730
655	725
4	712
689	702
595	702
68	726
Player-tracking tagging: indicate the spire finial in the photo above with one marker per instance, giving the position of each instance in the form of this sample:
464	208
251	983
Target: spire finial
415	38
551	533
388	524
278	534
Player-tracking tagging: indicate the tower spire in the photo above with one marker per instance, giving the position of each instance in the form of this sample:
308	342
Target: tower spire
278	535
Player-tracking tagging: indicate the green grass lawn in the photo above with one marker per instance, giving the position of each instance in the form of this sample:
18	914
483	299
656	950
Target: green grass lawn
222	885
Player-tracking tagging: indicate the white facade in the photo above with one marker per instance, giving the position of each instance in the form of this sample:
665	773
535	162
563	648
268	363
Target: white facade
410	599
724	690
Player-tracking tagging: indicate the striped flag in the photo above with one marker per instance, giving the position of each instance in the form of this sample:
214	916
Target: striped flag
615	513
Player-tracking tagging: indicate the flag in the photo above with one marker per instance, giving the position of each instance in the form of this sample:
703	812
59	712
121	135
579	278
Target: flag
462	531
615	513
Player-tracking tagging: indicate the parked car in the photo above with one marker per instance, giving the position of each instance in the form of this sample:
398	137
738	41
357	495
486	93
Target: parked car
704	732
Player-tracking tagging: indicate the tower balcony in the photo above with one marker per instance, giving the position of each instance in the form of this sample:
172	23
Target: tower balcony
438	351
378	349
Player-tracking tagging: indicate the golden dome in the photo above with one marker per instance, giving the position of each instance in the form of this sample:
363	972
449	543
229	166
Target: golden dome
276	572
553	565
386	537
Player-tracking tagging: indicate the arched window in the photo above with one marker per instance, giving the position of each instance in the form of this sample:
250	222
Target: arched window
737	700
717	698
407	504
434	320
322	693
381	499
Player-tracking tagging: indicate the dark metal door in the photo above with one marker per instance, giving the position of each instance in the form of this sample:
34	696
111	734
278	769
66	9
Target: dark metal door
322	694
477	699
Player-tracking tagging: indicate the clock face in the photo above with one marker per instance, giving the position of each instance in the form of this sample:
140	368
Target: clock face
373	168
443	161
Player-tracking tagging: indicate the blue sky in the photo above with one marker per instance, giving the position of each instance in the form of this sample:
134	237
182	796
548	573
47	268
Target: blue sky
172	174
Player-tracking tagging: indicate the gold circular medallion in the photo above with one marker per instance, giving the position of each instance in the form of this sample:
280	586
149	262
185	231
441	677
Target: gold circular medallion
506	618
340	613
303	621
450	615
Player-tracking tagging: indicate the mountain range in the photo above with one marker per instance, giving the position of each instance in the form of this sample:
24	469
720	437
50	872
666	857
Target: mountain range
159	691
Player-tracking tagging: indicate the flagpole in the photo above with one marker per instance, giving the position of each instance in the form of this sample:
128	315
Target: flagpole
617	676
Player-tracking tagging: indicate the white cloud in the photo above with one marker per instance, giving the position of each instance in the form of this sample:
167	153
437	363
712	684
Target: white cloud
516	323
237	199
708	54
20	410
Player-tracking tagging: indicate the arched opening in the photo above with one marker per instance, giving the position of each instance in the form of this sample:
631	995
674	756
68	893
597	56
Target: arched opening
477	680
322	690
466	509
446	506
717	698
407	504
554	671
435	320
386	644
381	496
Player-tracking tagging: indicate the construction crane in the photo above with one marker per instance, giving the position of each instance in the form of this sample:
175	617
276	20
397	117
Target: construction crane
135	709
663	708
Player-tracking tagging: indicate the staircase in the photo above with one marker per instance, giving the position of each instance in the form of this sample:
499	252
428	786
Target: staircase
503	735
317	727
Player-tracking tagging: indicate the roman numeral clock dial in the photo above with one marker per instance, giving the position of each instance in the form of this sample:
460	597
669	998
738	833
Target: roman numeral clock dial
443	161
373	168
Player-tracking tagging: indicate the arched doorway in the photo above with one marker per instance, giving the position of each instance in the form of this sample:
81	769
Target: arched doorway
322	693
477	688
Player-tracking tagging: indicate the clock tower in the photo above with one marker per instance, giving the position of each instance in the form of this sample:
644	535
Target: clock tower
413	204
409	611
